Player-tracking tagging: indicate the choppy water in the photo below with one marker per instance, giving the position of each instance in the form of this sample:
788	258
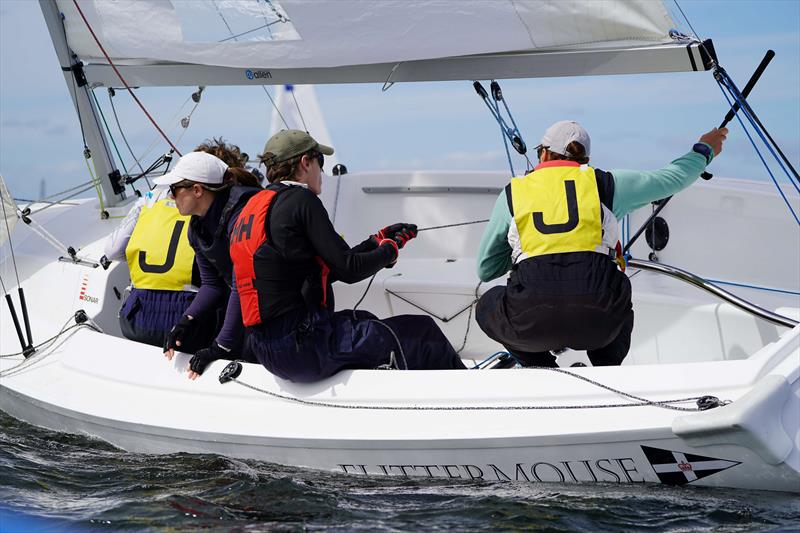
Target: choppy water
83	484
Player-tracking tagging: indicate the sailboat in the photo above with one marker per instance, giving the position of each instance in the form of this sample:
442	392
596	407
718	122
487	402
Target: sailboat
709	394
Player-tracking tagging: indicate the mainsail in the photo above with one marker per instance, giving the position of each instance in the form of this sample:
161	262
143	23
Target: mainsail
309	41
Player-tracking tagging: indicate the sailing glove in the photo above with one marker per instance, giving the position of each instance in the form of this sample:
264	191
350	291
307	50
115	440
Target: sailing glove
204	357
400	233
179	332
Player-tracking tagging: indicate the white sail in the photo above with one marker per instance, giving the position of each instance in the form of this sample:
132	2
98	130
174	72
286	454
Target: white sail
307	34
297	108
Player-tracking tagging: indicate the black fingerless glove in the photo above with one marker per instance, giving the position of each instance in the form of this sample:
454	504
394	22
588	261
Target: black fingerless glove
202	358
179	333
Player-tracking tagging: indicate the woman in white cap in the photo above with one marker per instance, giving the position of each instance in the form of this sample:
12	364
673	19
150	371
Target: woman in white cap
164	275
209	191
556	231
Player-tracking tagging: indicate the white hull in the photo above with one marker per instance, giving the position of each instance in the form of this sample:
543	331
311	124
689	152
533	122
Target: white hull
525	425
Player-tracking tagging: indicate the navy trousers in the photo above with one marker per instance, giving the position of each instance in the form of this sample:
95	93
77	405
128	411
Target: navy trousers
148	315
305	346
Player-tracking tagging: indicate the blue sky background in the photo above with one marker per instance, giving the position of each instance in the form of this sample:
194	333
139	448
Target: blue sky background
639	121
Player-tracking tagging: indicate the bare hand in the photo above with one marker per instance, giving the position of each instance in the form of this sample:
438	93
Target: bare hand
714	139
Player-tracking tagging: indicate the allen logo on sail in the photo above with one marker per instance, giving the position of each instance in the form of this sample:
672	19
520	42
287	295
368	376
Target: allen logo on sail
257	74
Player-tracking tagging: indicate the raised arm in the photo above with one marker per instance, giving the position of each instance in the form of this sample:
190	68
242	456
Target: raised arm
634	189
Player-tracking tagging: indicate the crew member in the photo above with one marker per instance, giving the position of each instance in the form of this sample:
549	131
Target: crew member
212	194
286	254
556	230
164	276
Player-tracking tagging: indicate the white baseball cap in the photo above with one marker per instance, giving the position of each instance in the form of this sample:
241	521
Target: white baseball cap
559	135
195	166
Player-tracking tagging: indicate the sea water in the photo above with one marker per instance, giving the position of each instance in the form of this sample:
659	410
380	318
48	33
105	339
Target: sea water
57	482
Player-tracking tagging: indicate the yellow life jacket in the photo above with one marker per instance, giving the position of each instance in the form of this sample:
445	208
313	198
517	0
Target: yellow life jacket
557	209
158	253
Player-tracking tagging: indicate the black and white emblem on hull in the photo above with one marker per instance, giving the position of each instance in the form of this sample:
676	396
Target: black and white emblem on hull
679	468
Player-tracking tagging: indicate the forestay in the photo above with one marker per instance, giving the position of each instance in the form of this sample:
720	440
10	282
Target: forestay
347	39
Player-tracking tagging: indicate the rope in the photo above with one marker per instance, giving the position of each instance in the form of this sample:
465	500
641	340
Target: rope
377	321
453	225
769	171
638	401
758	126
469	318
119	75
44	346
761	132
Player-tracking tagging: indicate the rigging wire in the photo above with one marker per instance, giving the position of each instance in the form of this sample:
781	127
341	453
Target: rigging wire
108	130
88	186
111	94
760	129
122	79
724	82
769	171
8	231
154	142
297	106
687	21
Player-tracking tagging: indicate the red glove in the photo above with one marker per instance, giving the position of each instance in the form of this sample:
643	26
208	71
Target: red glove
400	233
393	244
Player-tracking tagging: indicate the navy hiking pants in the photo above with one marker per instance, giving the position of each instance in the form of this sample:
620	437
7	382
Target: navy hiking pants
305	346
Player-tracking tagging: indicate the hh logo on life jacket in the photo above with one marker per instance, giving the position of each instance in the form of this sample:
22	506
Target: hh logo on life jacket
242	229
572	214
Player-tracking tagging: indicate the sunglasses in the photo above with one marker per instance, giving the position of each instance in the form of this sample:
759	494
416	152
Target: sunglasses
539	150
175	187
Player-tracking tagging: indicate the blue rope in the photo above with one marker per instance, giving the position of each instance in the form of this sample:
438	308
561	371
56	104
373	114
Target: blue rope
769	171
782	291
742	104
504	133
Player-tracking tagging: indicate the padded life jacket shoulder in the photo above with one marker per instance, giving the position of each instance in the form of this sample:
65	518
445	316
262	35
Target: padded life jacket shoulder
216	247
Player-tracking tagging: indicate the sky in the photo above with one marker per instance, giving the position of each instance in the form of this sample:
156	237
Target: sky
635	121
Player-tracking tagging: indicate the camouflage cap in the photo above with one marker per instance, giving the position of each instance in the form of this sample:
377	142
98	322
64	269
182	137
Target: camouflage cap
287	144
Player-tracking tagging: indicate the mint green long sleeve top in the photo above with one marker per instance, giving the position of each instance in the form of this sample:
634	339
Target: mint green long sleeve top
632	189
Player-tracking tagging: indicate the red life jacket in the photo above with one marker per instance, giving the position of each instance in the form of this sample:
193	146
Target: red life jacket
249	233
268	283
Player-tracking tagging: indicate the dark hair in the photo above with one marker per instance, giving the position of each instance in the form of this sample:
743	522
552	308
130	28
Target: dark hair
240	176
284	170
574	152
229	153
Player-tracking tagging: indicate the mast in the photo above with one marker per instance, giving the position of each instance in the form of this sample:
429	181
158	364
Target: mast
105	169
